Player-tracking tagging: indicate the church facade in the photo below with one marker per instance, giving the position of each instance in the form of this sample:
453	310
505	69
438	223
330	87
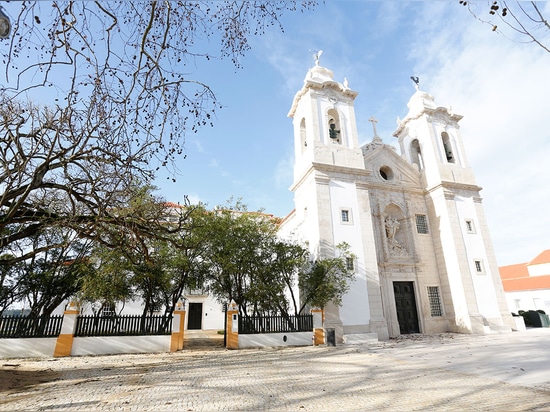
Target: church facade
414	220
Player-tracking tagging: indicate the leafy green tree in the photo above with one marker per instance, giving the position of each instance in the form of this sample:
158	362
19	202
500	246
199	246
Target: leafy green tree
238	256
184	258
327	280
153	268
108	282
9	287
53	275
287	260
263	274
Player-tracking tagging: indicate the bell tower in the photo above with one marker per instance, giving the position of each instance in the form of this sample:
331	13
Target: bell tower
332	200
429	138
324	122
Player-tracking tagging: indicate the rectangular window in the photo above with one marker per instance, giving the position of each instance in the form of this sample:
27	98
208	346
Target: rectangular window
349	263
479	266
422	224
345	216
435	301
470	228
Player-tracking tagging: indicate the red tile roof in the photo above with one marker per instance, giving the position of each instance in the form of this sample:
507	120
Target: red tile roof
516	277
530	283
513	271
543	257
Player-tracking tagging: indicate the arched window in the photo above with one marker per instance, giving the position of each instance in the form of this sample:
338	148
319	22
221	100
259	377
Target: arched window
334	131
416	154
447	147
303	135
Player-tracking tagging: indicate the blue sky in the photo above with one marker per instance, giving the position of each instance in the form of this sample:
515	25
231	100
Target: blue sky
501	87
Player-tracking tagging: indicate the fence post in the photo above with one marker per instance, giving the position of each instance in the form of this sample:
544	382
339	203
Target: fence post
318	330
64	343
232	326
178	327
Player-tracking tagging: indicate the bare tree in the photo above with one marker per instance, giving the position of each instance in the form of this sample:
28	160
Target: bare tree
59	170
133	61
521	21
118	96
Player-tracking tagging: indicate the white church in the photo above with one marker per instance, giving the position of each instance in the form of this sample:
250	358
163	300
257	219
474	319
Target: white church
415	221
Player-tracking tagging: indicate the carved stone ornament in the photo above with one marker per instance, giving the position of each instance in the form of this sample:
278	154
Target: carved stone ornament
394	246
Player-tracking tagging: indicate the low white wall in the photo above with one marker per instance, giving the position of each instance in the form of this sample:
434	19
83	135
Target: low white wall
275	339
27	348
110	345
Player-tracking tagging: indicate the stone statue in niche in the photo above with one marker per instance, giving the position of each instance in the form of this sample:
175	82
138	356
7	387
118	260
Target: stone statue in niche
392	226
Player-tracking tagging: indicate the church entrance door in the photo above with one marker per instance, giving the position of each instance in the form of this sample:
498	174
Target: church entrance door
405	304
194	320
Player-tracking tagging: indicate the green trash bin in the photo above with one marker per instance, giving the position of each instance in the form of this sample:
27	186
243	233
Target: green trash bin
538	320
331	336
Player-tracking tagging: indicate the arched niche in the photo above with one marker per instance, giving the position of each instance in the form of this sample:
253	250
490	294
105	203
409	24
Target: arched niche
395	230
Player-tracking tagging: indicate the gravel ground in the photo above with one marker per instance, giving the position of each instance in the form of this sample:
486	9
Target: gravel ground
416	372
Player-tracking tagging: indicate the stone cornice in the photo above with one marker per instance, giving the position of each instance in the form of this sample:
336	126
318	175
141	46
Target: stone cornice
329	169
454	186
313	85
439	111
389	187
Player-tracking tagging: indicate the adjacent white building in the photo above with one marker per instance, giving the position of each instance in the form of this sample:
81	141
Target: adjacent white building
415	220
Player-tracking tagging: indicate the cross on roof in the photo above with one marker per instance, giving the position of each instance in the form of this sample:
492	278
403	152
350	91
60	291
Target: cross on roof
374	121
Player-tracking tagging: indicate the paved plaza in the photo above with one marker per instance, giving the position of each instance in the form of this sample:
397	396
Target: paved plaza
504	372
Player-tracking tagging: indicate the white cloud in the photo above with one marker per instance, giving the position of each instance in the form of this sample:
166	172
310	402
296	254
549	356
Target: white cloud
284	171
502	90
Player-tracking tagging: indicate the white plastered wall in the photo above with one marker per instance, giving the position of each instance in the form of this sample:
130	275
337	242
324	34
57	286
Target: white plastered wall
355	308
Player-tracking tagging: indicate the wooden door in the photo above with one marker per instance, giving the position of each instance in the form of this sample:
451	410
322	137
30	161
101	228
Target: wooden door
194	319
405	304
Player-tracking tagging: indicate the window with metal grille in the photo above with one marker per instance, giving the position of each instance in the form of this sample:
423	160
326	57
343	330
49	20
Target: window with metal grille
345	215
435	301
470	226
479	266
349	263
422	224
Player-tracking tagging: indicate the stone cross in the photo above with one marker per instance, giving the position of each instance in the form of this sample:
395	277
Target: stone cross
374	121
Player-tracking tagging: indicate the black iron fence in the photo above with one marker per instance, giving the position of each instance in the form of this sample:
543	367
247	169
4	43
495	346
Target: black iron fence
127	325
30	327
275	324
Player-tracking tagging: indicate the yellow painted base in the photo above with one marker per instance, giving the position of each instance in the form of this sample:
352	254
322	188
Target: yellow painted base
232	339
63	346
318	336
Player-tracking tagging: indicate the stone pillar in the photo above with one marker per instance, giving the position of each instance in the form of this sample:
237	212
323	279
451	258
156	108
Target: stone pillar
64	344
178	327
318	330
232	331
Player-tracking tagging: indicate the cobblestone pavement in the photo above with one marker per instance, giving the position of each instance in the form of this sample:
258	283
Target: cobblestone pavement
420	372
